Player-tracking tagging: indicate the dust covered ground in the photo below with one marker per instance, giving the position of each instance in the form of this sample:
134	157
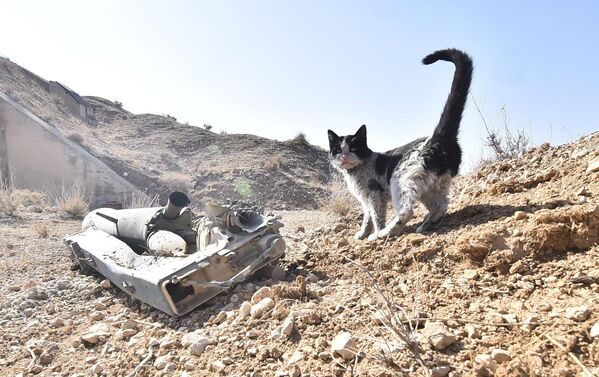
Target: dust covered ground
506	285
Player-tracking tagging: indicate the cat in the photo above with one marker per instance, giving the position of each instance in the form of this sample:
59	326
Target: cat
418	171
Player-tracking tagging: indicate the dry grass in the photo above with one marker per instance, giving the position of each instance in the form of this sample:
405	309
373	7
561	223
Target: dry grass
73	203
340	202
299	139
504	141
42	230
176	181
141	200
9	201
29	198
273	163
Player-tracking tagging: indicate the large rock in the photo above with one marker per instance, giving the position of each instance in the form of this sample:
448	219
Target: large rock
344	345
438	335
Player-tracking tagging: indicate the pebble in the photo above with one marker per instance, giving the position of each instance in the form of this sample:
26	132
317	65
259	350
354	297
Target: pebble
161	362
219	317
438	335
57	322
217	366
529	322
440	371
472	331
487	361
97	316
189	365
500	355
593	167
199	346
578	313
129	324
244	310
344	345
105	284
261	309
595	330
520	215
296	357
261	294
96	369
287	326
190	338
470	274
14	288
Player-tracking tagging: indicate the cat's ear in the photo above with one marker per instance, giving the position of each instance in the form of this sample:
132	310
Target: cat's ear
332	136
361	132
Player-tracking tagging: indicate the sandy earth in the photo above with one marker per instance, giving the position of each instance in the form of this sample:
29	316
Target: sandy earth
507	285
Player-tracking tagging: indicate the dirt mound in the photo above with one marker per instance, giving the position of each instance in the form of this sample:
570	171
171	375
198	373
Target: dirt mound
158	154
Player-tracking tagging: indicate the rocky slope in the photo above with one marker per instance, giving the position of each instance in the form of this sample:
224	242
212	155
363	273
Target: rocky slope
507	285
158	154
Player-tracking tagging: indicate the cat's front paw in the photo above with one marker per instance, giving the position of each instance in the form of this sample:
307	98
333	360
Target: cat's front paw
360	235
373	237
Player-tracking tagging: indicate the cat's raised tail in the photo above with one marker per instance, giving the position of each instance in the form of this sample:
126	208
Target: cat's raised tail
447	129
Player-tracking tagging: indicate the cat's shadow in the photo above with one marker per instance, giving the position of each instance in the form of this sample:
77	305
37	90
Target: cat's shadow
478	214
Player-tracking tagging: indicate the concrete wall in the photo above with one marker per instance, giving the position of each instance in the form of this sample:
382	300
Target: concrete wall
41	158
71	99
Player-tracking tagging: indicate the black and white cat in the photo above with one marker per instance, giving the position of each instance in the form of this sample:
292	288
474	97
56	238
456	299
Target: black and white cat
419	171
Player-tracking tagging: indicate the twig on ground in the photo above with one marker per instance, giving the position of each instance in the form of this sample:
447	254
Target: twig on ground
141	364
586	371
32	362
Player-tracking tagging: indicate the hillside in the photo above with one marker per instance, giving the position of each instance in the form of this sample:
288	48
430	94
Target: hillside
158	154
507	285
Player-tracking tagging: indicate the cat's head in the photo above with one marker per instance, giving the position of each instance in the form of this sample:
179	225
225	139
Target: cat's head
349	151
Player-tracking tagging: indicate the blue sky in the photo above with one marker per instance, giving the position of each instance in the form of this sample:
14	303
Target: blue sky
274	68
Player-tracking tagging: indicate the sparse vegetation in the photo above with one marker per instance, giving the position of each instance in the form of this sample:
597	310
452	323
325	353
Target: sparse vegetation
273	163
208	127
118	104
175	180
28	198
41	229
9	201
73	203
142	200
77	138
223	132
340	202
299	139
505	142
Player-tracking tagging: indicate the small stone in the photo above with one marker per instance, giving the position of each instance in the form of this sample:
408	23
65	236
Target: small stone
96	369
219	317
472	331
105	284
595	330
544	307
252	351
244	310
470	274
344	345
127	333
500	355
300	229
97	316
593	167
342	243
261	294
189	365
295	371
189	338
440	371
520	215
296	357
287	326
438	335
530	322
217	366
129	324
57	322
199	346
578	313
519	267
161	362
14	288
261	309
487	361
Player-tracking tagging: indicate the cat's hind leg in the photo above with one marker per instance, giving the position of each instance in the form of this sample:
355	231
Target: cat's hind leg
436	201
